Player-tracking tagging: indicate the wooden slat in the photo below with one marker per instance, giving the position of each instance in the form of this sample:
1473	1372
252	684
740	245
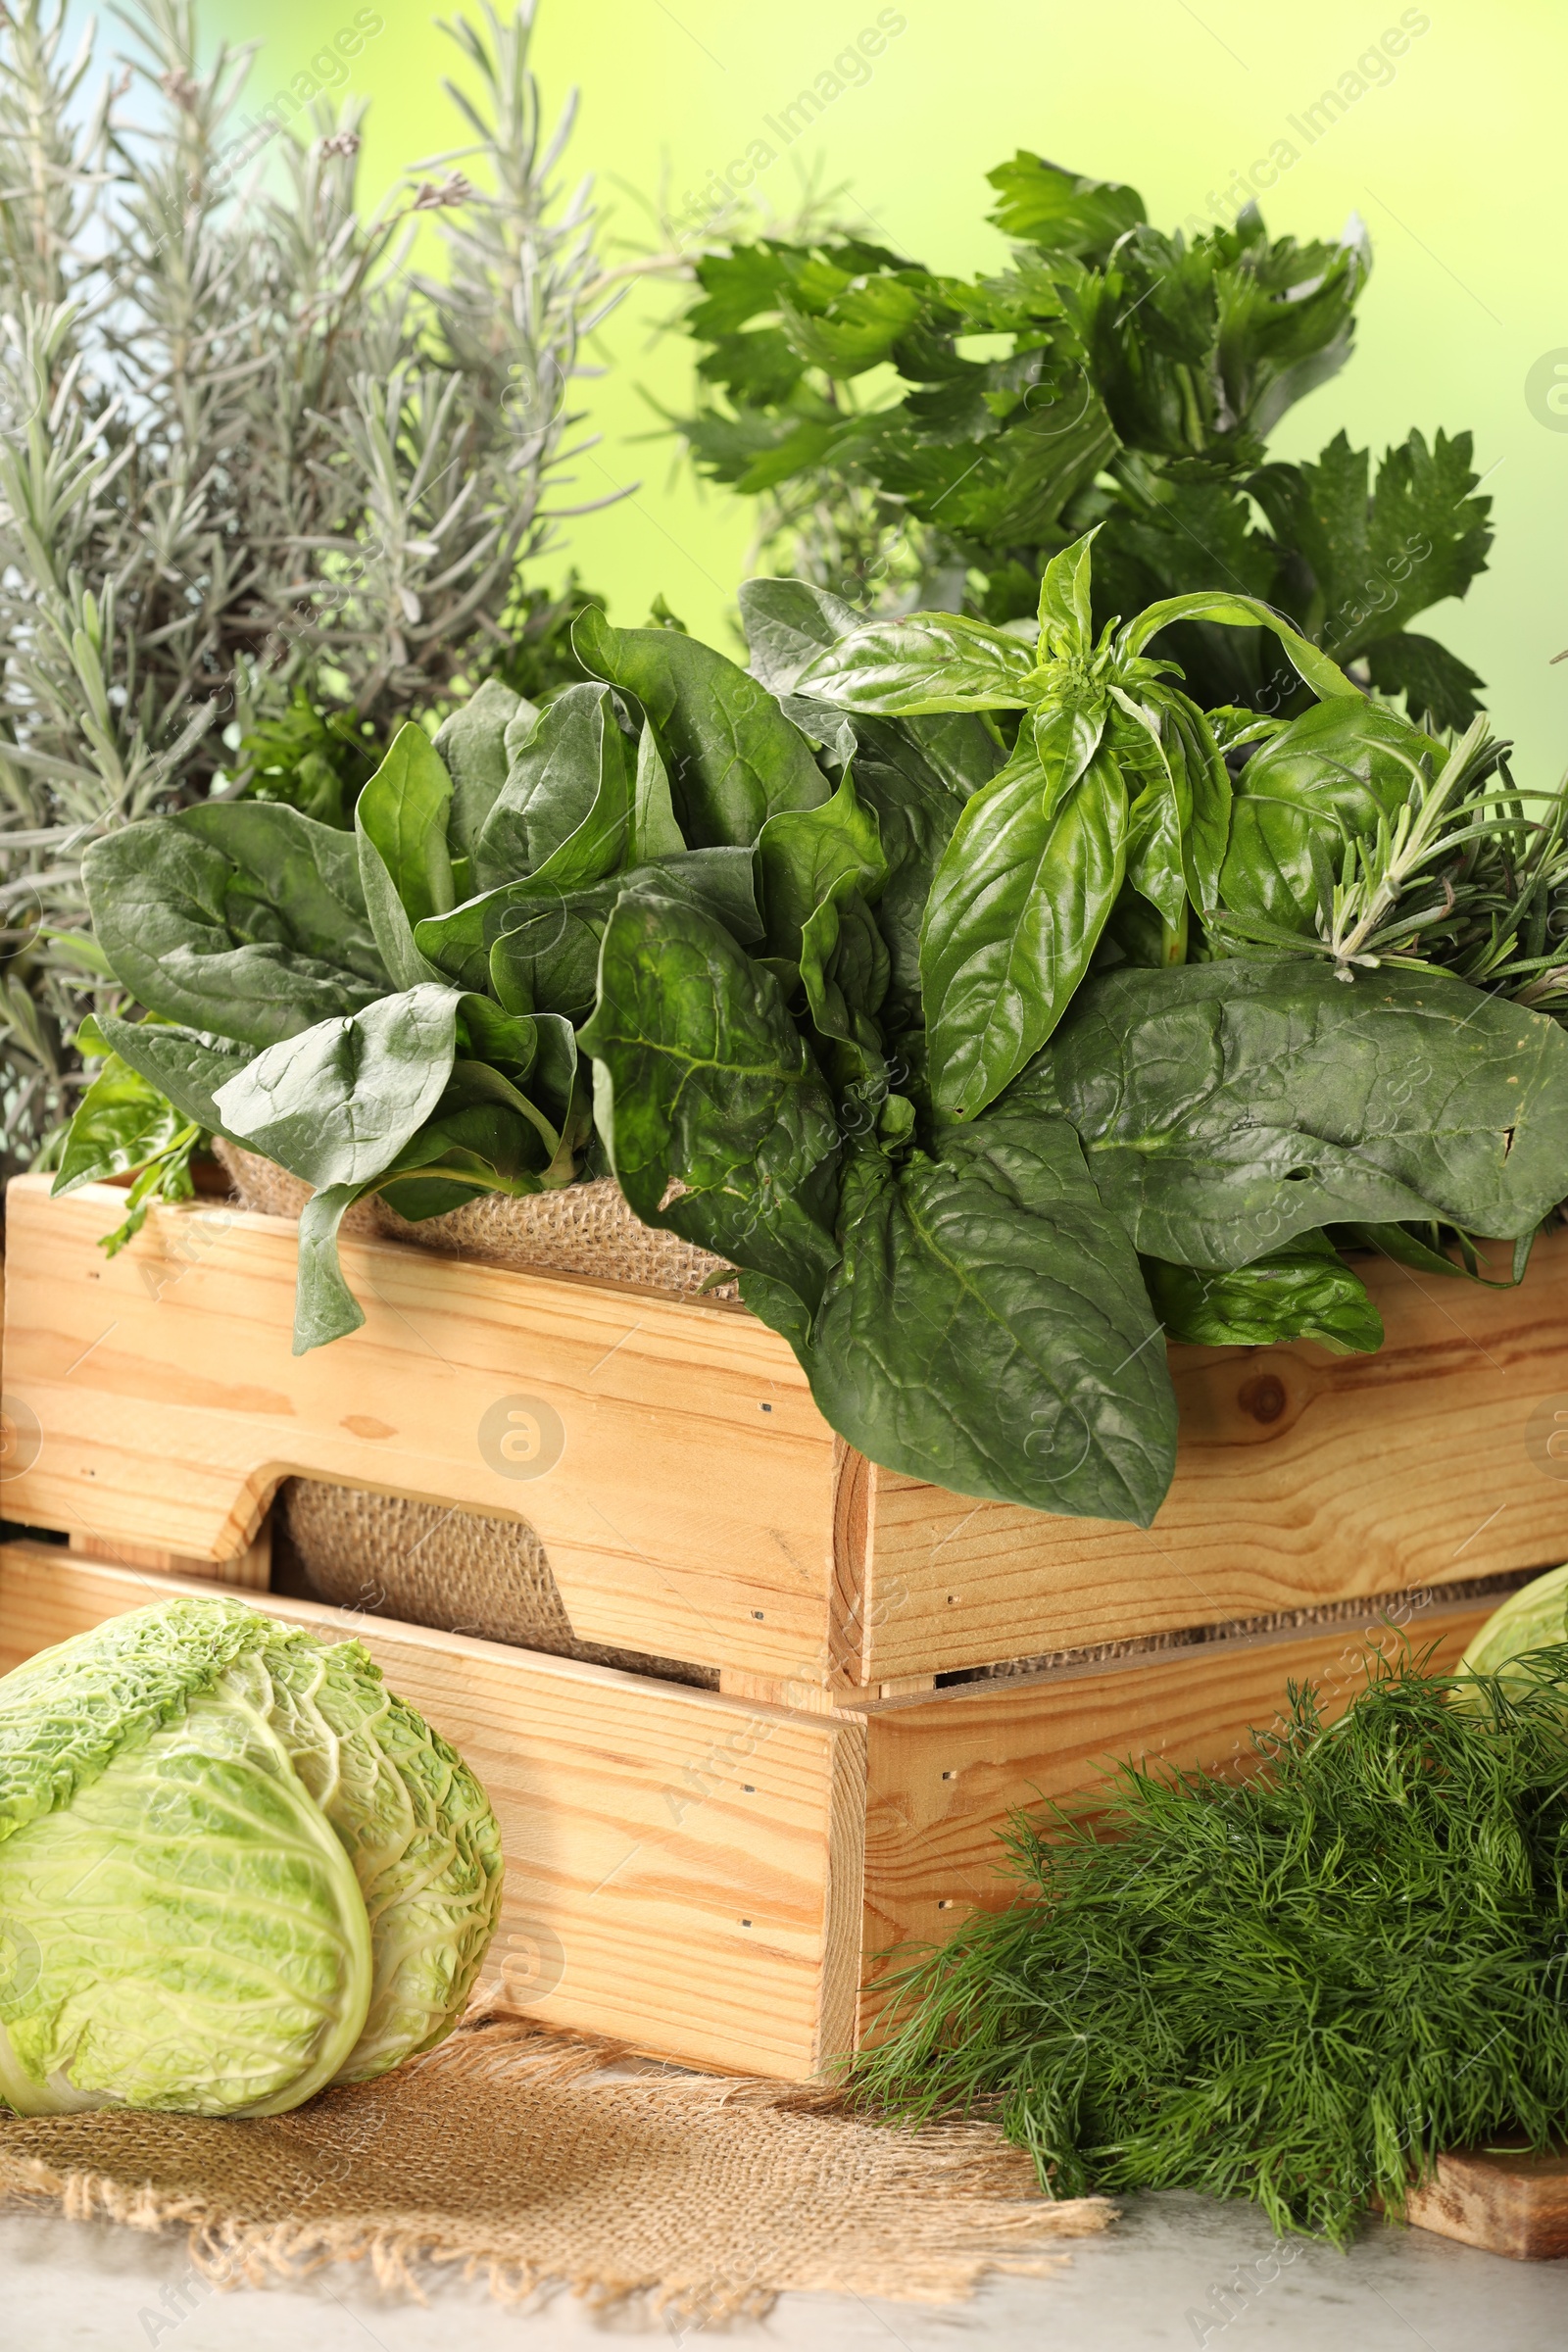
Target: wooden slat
690	1865
946	1777
1509	2204
681	1518
1420	1465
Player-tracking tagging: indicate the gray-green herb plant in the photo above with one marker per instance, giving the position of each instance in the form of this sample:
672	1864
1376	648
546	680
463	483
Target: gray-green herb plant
267	481
855	946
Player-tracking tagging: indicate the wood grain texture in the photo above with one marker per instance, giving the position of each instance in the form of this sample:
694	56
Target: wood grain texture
701	1507
250	1569
1302	1478
944	1778
1508	2204
681	1518
682	1870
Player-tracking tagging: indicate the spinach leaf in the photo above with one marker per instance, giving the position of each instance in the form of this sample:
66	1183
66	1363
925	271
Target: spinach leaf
471	741
734	760
714	1112
536	946
931	662
563	811
844	969
653	831
324	1307
245	918
1019	903
804	854
188	1069
452	1158
121	1122
989	1330
337	1105
1325	779
1302	1292
1228	1107
400	826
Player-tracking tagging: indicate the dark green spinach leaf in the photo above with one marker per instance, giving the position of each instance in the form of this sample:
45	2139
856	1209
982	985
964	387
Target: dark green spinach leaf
244	918
338	1103
714	1111
733	758
989	1328
1302	1292
1228	1107
563	813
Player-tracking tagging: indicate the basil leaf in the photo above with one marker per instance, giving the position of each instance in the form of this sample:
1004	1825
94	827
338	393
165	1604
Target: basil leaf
1191	748
241	917
1227	1107
734	760
804	854
1324	677
788	623
189	1070
1157	826
931	662
1304	1291
1019	903
989	1328
1325	779
336	1104
1066	611
471	742
563	811
702	1084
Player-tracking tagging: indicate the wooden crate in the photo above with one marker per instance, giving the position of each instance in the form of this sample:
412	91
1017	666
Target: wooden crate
714	1878
693	1501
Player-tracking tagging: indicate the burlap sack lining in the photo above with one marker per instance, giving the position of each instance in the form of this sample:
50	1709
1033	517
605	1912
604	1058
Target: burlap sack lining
1395	1607
519	2157
582	1229
458	1571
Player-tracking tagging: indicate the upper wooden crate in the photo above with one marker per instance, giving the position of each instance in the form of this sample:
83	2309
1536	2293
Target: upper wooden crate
699	1506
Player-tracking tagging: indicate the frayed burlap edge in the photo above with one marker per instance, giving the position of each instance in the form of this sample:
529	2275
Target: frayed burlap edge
954	2202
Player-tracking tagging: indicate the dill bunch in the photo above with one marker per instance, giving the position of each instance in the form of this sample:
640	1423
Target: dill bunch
1298	1986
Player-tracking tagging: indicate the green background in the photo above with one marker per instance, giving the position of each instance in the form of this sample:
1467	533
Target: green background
1457	165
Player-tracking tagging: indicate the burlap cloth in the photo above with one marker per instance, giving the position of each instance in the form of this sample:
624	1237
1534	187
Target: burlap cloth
428	1565
513	2153
581	1229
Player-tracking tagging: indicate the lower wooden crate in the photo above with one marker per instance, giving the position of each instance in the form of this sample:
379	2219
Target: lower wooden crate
714	1877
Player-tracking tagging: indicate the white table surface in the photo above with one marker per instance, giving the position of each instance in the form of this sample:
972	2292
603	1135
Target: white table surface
1165	2276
